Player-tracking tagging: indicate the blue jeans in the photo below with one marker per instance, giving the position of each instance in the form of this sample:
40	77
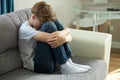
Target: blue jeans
45	58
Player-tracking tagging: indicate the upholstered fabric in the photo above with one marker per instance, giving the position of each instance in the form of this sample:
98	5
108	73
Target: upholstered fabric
98	72
10	60
9	25
91	44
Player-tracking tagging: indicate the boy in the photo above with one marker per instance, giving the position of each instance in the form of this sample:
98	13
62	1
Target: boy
43	43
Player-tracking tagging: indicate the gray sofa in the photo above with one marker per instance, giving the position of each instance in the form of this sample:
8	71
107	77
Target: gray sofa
91	48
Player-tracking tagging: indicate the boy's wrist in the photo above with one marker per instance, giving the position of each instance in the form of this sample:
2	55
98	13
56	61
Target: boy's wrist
67	34
68	38
66	31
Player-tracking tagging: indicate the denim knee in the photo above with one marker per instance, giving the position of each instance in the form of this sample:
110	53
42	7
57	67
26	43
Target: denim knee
48	27
59	25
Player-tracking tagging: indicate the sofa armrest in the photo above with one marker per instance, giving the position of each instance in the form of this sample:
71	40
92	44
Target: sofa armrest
91	44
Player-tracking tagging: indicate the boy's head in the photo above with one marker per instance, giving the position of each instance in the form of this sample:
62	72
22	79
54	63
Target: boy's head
43	12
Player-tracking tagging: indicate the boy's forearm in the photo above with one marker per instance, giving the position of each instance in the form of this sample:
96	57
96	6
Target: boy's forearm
42	36
54	39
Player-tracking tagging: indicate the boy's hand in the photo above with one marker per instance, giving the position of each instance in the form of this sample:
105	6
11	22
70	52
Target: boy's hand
56	39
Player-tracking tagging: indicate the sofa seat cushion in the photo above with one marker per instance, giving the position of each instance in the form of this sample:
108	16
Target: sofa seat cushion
96	73
10	60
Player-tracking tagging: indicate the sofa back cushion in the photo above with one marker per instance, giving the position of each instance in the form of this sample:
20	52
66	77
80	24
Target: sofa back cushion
9	25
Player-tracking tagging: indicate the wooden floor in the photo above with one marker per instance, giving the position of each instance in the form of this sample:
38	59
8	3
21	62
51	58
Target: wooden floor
114	67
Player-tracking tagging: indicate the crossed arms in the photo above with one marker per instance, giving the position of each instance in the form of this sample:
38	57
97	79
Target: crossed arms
54	39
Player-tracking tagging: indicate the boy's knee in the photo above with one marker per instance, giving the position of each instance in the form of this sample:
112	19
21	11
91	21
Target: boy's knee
49	27
51	24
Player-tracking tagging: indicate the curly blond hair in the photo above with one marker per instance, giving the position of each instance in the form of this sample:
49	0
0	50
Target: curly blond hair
44	12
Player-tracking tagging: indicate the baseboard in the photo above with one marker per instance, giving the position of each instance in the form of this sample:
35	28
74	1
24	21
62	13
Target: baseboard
116	44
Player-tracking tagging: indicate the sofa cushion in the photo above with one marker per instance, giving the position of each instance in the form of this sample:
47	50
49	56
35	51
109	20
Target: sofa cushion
9	60
9	25
97	72
8	34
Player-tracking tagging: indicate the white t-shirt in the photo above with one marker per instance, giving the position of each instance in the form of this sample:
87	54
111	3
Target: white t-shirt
27	45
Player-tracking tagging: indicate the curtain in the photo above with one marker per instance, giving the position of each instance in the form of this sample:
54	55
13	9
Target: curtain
6	6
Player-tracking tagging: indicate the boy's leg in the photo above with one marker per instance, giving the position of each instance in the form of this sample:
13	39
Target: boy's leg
66	45
59	53
43	59
45	55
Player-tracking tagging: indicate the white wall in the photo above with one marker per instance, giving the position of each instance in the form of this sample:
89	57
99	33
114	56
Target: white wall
62	7
22	4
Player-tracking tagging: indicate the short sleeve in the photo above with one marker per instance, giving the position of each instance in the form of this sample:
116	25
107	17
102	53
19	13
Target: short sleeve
27	32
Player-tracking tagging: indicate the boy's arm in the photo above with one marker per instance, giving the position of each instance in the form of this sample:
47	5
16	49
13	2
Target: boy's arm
55	39
59	37
41	36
